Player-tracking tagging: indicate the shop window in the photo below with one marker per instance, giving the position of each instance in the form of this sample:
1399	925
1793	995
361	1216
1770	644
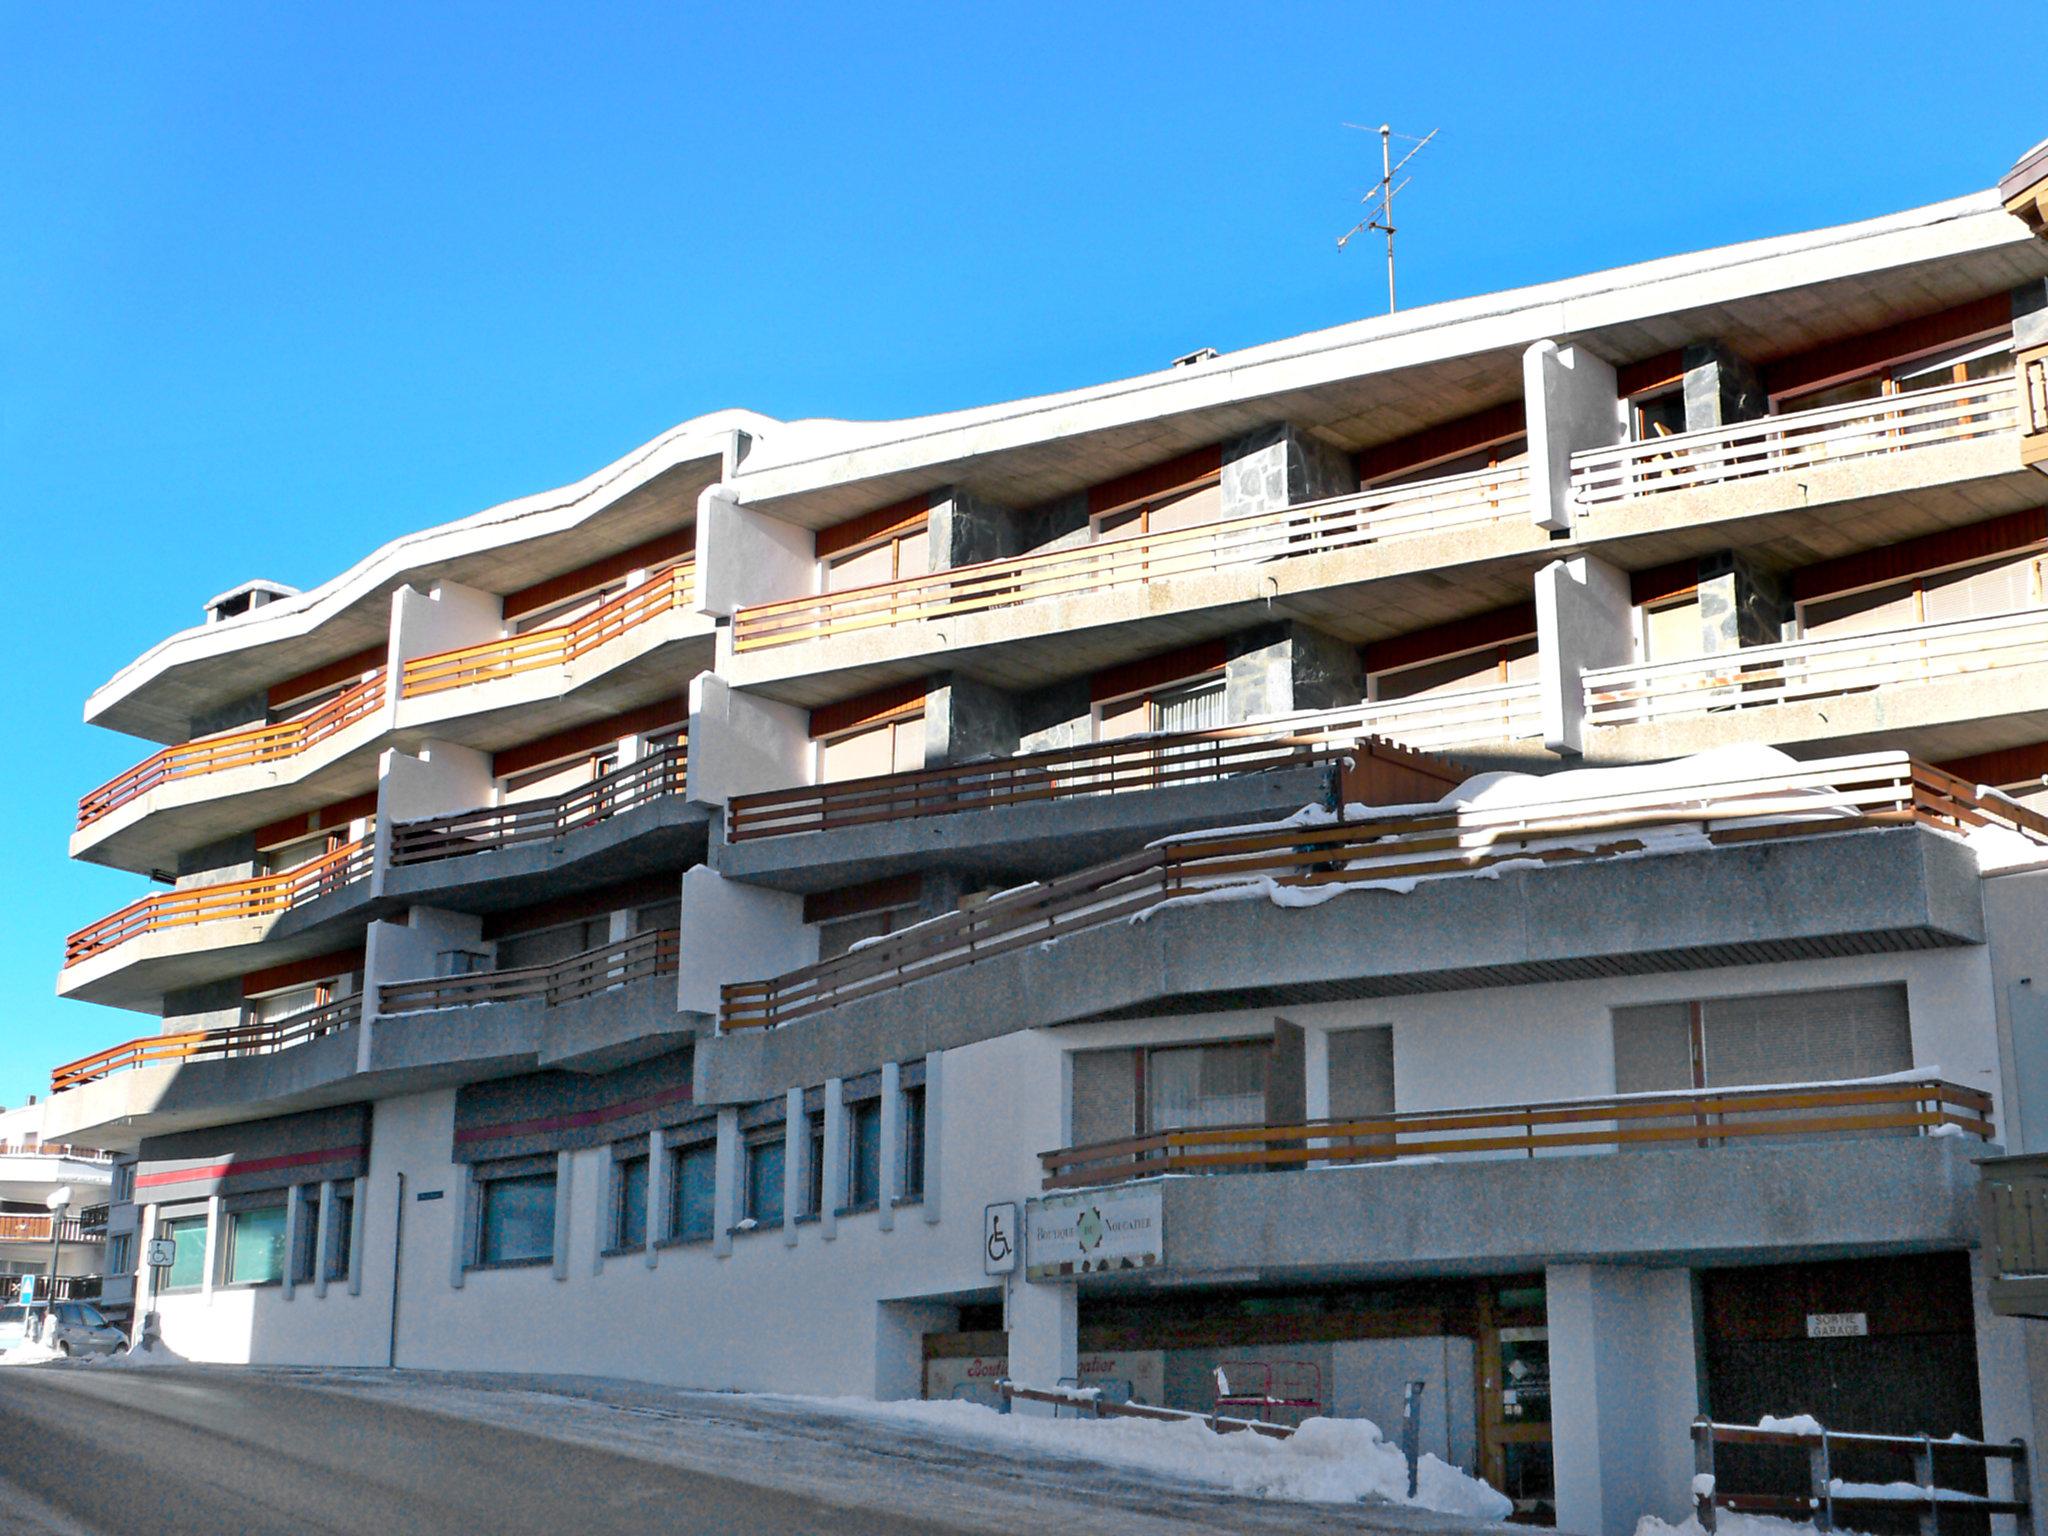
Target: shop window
254	1246
187	1237
341	1237
693	1181
764	1171
911	1183
629	1202
516	1218
1197	1085
864	1155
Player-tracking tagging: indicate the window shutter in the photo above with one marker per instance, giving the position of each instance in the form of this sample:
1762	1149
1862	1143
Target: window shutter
1653	1048
1362	1073
1796	1037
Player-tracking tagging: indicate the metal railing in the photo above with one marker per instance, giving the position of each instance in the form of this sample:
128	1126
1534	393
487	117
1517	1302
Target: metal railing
1697	1117
263	896
1826	1493
655	953
1311	528
554	646
1798	440
1795	671
1833	795
1507	712
66	1288
654	777
236	749
234	1040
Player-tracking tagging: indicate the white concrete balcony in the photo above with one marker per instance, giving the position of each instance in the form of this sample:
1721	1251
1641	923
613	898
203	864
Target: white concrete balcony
1803	671
190	794
1798	442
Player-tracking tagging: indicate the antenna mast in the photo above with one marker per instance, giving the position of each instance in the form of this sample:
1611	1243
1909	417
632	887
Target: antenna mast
1382	217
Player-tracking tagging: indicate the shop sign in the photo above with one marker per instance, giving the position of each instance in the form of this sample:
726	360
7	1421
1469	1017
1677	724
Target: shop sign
1837	1325
1095	1233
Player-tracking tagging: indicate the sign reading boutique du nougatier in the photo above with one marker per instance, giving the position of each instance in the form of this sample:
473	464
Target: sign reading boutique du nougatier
1094	1233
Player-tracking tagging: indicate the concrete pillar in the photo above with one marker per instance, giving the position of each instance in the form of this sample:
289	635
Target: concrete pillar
2011	1404
892	1145
1739	605
727	1173
796	1157
321	1240
736	932
1624	1387
1288	669
1720	388
1583	620
213	1214
832	1192
462	1230
1044	1335
963	529
1281	466
294	1234
934	1108
2030	315
444	618
1573	403
657	1196
966	721
744	556
145	1277
738	742
439	778
358	1214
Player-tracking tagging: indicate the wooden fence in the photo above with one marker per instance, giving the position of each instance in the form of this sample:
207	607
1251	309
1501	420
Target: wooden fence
236	749
36	1229
655	953
263	896
1833	795
234	1040
1312	528
1798	440
554	646
504	826
1700	1117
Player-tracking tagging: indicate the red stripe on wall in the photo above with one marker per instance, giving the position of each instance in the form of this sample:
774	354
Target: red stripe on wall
252	1165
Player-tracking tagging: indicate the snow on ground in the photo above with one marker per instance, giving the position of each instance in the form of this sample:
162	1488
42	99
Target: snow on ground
29	1352
1728	1523
1328	1461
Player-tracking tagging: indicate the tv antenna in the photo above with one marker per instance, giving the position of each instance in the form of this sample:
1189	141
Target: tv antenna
1382	194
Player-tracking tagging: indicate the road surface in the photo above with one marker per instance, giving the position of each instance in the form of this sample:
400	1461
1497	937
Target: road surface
91	1451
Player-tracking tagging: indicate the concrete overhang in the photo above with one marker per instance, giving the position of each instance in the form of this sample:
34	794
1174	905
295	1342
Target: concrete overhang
1034	840
1378	380
513	545
412	1053
1818	1198
1801	898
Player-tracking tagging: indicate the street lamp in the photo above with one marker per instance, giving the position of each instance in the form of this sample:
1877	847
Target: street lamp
59	1201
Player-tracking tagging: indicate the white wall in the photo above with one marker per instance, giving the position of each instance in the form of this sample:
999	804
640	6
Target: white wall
739	742
1573	403
744	556
736	932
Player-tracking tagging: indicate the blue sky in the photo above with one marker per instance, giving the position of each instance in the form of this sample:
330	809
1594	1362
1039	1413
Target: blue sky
278	282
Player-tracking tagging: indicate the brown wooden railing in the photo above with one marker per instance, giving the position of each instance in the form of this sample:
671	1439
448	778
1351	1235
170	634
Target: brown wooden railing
1311	528
1835	795
264	896
655	953
1131	763
655	776
551	647
236	749
54	1149
68	1287
36	1229
1703	1117
234	1040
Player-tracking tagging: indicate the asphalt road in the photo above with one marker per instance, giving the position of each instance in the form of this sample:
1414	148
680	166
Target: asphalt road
110	1453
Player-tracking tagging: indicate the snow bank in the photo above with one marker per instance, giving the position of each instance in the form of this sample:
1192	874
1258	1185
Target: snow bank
29	1352
1728	1523
1327	1461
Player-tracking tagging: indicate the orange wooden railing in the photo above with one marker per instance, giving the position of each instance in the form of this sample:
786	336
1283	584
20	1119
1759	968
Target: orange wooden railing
1835	795
264	896
551	647
1700	1117
235	749
235	1040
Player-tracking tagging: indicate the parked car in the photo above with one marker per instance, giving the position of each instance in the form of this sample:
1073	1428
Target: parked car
13	1326
83	1330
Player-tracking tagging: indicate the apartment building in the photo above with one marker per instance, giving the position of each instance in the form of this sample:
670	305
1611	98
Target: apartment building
1502	845
54	1208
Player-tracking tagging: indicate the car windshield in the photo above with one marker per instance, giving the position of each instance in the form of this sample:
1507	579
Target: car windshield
92	1317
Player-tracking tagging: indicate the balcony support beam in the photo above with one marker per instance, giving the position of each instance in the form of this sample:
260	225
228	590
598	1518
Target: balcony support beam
1583	621
1573	404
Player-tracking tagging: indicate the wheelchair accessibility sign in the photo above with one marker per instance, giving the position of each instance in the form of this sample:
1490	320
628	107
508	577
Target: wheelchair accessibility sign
999	1238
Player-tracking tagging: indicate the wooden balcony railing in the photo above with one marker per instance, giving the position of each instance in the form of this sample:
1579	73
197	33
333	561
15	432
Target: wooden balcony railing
1701	1117
1798	440
552	647
655	953
2033	367
1313	528
36	1229
54	1149
67	1288
236	749
234	1040
1796	671
264	896
654	777
1504	713
1834	795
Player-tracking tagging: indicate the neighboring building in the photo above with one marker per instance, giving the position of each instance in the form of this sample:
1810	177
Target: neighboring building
645	928
34	1238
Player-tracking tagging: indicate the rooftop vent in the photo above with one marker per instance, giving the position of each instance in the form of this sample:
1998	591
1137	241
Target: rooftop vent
1199	355
246	598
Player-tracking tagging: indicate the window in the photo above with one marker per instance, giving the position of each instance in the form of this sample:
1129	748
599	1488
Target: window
546	946
301	851
2005	585
1490	667
119	1252
841	934
568	610
276	1007
765	1162
1193	1085
255	1246
695	1185
869	751
1657	416
894	557
187	1236
1195	704
306	1240
815	1193
629	1202
558	777
1988	358
912	1181
864	1160
516	1223
1671	630
341	1237
124	1183
1188	506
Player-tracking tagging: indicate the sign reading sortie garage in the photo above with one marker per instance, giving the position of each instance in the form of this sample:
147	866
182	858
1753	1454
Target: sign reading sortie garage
1094	1233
